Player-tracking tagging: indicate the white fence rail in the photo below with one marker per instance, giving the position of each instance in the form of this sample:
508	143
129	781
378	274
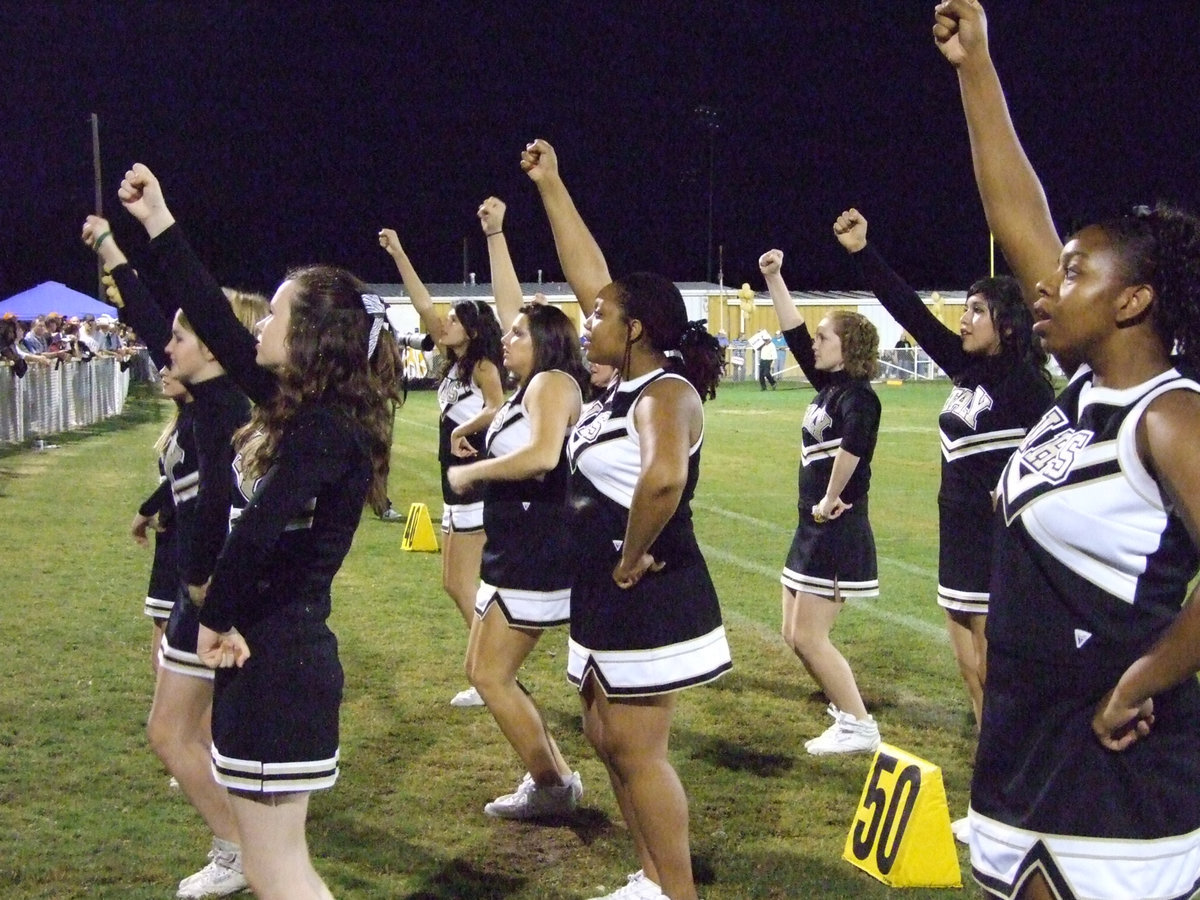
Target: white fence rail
53	399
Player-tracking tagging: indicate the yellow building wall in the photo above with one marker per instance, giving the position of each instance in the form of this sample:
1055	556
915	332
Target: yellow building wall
740	323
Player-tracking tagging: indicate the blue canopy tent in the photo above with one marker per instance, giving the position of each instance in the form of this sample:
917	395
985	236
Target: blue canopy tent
51	296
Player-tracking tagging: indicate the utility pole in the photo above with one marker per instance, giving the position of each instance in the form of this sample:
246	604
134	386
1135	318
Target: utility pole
709	118
95	120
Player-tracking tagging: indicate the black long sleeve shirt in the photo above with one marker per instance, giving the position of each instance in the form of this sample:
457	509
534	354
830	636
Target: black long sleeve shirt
278	562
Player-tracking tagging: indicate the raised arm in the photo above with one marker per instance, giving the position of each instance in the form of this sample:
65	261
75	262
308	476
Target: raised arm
941	343
795	331
771	266
433	323
138	307
506	287
1013	198
192	288
579	255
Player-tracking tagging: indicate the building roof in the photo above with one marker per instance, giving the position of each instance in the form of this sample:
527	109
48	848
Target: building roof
552	289
560	290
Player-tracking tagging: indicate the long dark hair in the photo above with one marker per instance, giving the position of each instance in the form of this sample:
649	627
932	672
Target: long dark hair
1161	247
656	302
8	332
327	364
483	340
555	345
1012	320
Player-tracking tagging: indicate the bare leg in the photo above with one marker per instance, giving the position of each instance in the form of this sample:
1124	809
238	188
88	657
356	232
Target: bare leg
635	734
1037	888
978	633
180	734
807	623
274	847
594	731
495	653
157	627
461	555
970	652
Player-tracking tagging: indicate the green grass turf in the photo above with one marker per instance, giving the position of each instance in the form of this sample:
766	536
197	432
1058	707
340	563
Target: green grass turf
84	806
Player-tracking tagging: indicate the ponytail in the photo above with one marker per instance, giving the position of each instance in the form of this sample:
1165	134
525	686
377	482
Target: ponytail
699	359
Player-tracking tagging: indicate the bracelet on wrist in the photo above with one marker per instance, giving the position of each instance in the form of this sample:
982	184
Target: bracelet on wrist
100	240
494	233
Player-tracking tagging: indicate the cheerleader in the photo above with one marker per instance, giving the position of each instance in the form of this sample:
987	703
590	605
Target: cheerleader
832	557
645	620
528	565
469	394
1088	765
195	455
157	514
1001	388
315	449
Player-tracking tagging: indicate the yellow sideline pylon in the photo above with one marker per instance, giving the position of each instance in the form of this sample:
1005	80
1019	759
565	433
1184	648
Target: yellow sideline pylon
901	831
418	530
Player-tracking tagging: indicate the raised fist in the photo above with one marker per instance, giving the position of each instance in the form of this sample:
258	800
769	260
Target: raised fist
771	262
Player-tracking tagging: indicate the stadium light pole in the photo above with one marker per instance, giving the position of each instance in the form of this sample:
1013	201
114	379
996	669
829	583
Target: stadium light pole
709	118
95	123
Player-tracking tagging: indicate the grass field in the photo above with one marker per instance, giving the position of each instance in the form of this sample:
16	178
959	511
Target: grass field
84	806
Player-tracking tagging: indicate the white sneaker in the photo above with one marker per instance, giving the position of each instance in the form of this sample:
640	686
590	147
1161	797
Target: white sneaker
391	514
220	878
469	697
961	829
639	888
846	735
533	801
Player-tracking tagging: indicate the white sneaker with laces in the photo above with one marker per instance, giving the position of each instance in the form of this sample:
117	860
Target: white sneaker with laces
220	878
846	735
469	697
961	829
533	801
391	514
639	887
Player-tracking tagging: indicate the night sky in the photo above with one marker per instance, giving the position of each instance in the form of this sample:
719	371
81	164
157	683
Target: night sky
289	133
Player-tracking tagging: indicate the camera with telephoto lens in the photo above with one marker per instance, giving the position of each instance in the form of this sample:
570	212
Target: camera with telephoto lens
416	341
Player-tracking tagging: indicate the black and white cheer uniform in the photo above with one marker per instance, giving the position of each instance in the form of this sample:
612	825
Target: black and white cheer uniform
836	557
141	312
994	402
528	561
1092	565
163	588
459	401
664	633
275	719
197	461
